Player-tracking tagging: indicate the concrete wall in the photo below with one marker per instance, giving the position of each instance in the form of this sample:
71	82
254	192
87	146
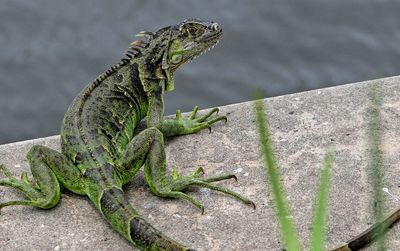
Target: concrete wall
303	125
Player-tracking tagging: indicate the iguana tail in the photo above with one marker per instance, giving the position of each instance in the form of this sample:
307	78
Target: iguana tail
371	234
121	215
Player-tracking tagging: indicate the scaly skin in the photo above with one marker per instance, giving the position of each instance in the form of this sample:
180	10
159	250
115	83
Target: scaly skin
101	153
371	234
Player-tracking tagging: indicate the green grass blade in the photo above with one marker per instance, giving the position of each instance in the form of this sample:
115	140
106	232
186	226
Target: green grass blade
318	234
375	167
288	232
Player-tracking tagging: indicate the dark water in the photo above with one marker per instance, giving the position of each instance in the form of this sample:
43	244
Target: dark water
50	49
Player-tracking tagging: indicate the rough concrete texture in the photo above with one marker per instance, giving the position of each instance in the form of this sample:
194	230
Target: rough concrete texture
303	125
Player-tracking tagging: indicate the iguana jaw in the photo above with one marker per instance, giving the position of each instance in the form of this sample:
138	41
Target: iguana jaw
210	42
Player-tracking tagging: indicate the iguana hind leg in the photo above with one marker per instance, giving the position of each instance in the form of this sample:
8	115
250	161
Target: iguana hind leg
48	167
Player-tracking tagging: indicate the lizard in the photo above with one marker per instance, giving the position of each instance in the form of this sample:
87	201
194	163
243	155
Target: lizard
101	150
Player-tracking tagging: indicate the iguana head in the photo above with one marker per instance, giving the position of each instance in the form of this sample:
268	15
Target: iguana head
189	39
172	46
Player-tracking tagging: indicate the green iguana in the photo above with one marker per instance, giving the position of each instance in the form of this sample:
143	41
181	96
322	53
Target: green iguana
101	151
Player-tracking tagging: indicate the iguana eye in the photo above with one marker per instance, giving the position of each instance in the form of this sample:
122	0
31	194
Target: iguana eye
176	58
192	31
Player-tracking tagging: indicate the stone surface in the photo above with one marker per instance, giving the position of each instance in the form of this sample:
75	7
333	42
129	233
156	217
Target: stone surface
303	125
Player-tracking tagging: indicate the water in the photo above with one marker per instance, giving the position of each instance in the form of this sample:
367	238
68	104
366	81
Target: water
50	49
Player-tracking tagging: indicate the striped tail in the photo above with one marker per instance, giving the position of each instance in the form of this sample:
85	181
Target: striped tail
371	234
121	215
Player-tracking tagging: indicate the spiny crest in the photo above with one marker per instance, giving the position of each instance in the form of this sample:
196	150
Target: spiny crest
136	46
111	70
133	51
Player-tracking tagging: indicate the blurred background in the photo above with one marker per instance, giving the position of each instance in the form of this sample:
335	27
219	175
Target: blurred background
49	50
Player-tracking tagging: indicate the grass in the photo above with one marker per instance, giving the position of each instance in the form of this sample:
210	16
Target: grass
287	228
288	231
318	234
375	166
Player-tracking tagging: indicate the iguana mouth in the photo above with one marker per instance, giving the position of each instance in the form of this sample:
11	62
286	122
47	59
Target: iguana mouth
210	41
211	38
215	35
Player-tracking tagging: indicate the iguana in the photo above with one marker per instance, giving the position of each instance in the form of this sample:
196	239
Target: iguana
101	151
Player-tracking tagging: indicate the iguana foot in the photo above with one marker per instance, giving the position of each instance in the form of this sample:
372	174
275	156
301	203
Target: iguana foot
184	182
197	173
202	122
192	124
48	168
207	115
30	189
178	183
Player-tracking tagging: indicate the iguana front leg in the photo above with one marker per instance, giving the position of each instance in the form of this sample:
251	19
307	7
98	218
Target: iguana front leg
154	151
148	148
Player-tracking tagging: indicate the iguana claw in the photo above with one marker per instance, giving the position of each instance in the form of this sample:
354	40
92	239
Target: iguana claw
179	183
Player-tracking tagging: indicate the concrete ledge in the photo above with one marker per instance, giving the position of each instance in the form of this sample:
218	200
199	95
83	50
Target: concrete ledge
302	124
